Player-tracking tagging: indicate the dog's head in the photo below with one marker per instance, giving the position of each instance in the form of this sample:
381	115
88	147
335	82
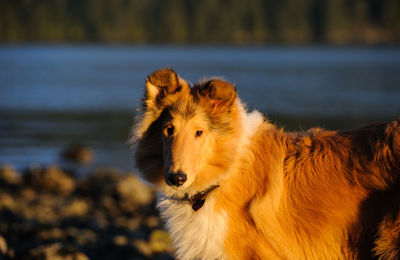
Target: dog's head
186	136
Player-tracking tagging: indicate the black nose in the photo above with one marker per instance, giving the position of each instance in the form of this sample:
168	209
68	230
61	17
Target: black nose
176	179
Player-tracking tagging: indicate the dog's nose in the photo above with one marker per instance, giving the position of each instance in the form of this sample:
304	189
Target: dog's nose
176	179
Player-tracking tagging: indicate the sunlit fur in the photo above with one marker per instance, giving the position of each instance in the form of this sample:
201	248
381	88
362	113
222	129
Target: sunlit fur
305	195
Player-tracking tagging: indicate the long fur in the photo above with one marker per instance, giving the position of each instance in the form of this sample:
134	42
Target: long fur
306	195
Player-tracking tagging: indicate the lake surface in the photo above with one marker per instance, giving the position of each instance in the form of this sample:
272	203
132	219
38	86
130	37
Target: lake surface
52	96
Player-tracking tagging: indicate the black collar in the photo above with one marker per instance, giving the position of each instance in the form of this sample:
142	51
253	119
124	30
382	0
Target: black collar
197	200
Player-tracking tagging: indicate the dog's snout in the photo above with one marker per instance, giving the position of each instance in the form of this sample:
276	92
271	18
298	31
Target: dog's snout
176	179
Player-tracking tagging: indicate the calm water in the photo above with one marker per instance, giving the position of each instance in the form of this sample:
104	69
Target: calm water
53	96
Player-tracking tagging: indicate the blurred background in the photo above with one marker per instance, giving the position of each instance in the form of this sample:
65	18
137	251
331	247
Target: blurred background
73	71
72	75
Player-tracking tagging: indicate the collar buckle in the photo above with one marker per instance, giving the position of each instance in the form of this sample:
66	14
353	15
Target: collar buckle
197	200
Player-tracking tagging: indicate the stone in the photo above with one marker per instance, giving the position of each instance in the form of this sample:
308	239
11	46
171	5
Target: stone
133	192
160	241
78	153
75	208
152	221
120	240
56	251
101	182
7	201
51	179
86	236
8	176
3	245
143	247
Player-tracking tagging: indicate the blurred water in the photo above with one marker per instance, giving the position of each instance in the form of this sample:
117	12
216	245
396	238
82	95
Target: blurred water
51	96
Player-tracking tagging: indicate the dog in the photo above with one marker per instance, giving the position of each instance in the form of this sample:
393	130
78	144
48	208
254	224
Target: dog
234	186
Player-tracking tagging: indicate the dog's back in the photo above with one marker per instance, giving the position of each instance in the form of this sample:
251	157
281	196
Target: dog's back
340	192
378	227
369	159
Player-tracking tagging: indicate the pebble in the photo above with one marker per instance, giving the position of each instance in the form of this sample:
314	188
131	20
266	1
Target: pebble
8	176
75	208
120	240
56	251
106	215
143	247
160	241
86	236
152	222
78	153
133	191
102	181
7	201
50	179
3	246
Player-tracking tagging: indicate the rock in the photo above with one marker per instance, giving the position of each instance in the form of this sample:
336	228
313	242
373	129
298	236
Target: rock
102	182
100	219
28	194
56	252
152	222
129	223
50	179
7	201
78	153
71	232
120	240
75	208
46	252
107	215
78	256
8	176
3	246
133	193
86	236
52	234
109	204
160	241
11	254
143	247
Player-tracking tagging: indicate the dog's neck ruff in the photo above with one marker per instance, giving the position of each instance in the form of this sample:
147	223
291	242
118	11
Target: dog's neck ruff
197	200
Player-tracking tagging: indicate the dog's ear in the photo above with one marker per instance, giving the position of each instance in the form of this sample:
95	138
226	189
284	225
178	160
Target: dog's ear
219	94
161	83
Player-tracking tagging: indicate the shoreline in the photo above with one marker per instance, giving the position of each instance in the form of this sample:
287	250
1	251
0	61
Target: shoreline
46	213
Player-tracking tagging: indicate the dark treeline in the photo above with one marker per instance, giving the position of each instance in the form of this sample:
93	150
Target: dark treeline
201	21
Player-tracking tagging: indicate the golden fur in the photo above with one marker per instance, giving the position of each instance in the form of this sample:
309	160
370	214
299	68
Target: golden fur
308	195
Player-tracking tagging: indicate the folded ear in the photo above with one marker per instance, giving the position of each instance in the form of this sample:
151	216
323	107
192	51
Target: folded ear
161	83
219	94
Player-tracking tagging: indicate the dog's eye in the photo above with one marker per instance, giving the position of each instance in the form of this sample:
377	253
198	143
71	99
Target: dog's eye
199	133
169	130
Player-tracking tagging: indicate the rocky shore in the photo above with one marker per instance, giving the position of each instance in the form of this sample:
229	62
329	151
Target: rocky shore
47	213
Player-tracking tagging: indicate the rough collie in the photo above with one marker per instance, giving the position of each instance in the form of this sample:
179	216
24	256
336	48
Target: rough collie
233	186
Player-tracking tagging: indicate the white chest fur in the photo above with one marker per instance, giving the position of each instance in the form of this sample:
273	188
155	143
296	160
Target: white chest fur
196	234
